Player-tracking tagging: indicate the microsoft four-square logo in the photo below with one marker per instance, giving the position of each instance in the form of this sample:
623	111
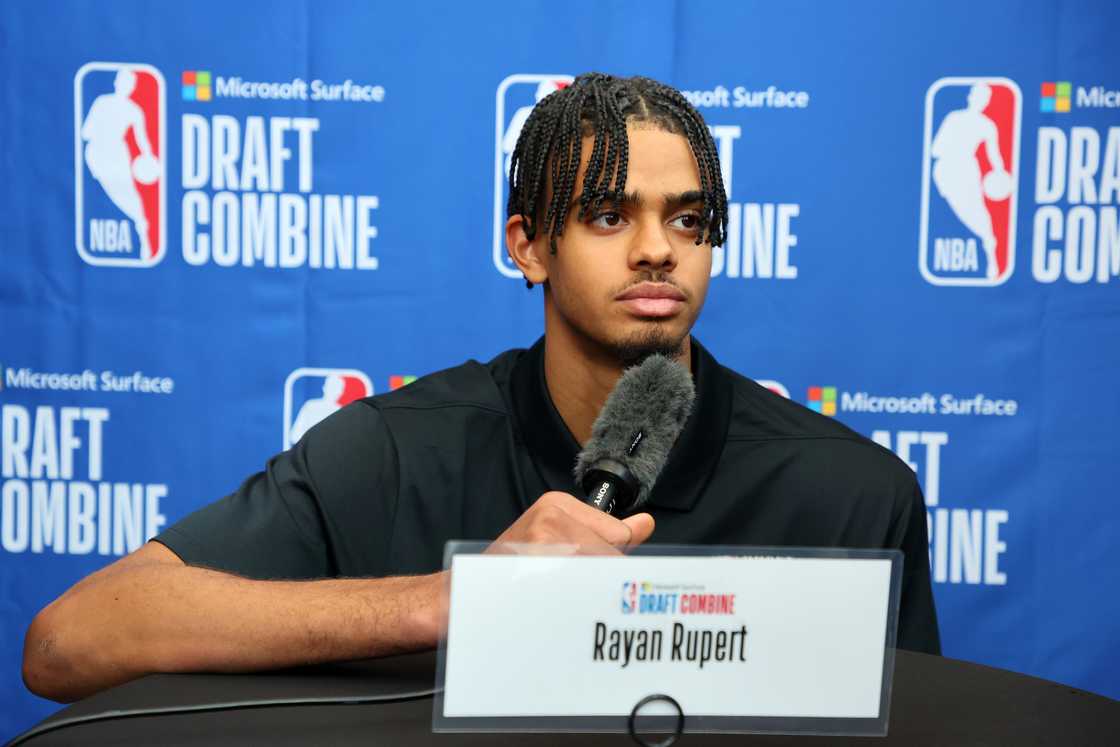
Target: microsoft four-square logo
822	399
196	85
396	381
1055	96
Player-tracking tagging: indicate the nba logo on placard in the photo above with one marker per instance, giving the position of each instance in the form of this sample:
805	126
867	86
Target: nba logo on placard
311	394
120	184
970	181
629	597
517	95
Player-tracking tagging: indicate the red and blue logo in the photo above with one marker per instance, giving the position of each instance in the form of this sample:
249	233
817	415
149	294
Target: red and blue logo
629	597
120	184
970	181
776	387
517	95
311	394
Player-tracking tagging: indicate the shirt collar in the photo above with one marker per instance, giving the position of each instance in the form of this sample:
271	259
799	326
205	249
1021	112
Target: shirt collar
692	459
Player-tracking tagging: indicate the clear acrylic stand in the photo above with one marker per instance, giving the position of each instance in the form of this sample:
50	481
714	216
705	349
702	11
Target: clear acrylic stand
530	568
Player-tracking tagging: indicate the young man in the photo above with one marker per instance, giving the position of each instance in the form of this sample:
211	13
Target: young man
333	552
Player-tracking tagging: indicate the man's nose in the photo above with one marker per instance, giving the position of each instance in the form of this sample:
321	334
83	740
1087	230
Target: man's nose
652	247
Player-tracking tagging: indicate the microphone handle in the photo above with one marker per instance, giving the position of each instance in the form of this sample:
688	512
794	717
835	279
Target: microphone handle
603	492
610	487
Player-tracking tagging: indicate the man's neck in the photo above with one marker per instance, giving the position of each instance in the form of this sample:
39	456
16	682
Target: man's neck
580	375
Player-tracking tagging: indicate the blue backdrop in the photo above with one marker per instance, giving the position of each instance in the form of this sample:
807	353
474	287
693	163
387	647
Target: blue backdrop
222	220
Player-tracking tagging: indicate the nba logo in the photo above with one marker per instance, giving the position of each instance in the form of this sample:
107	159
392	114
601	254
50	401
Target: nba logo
775	386
517	95
311	394
629	597
970	181
120	184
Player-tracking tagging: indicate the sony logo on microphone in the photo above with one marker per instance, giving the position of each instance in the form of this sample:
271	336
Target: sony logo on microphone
602	492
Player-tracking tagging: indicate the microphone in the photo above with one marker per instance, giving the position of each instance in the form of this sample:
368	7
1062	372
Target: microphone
631	438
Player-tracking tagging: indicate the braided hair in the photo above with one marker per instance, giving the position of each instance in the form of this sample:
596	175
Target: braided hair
599	106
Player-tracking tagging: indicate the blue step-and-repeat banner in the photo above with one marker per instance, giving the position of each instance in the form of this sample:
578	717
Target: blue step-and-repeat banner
222	221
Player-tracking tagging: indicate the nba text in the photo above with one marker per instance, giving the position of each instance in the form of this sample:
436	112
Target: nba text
53	495
240	208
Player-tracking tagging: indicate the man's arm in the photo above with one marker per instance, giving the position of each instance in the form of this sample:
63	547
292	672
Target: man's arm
149	612
917	616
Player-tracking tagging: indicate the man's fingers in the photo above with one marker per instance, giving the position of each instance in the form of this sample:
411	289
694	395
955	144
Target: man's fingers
583	540
606	526
641	527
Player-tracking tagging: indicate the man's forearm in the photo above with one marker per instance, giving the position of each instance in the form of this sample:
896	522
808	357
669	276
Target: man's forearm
124	623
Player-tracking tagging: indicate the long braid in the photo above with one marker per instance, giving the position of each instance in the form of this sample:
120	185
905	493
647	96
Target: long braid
566	157
543	136
599	106
589	201
619	157
532	148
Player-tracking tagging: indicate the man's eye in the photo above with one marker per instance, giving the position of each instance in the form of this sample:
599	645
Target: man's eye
606	220
687	221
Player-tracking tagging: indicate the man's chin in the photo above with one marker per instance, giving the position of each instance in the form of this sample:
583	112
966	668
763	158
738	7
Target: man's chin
654	340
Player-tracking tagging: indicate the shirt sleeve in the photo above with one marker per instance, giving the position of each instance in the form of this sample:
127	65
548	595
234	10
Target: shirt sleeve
917	616
312	513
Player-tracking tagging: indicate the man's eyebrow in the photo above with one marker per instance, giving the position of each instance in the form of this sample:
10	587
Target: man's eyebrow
672	201
634	199
690	197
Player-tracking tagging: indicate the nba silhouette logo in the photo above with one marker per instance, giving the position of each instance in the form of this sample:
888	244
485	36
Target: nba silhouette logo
311	394
120	165
629	597
517	95
970	181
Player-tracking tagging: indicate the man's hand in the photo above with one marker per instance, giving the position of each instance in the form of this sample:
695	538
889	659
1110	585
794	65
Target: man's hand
555	519
562	519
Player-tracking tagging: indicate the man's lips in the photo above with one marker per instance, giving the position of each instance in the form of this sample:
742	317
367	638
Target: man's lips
653	299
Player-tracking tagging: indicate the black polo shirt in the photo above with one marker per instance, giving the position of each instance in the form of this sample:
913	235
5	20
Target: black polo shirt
377	488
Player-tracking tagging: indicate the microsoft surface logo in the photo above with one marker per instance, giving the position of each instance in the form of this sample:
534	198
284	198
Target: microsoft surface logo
822	399
196	85
1055	96
397	381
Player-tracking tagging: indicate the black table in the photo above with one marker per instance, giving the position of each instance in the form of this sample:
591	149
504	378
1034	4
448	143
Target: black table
936	701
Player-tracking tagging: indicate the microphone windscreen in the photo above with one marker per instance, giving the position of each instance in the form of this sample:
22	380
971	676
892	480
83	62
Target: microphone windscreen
653	399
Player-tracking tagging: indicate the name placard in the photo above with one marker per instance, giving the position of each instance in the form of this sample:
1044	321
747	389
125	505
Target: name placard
744	639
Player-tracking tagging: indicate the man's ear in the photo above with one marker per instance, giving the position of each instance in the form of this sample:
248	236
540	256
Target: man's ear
526	254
